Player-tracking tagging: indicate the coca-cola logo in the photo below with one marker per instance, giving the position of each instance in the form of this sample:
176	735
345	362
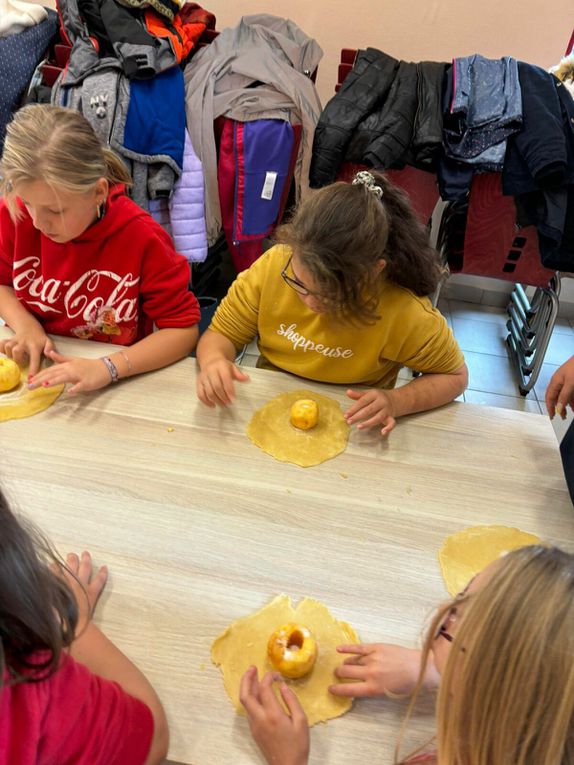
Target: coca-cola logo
82	298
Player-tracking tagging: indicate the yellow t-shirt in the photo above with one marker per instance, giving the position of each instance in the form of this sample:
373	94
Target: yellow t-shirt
316	346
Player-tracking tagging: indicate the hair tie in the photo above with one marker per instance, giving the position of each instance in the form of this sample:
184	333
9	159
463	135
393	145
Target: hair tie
364	178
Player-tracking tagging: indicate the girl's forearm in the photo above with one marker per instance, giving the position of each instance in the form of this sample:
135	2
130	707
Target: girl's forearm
155	351
427	392
13	312
213	346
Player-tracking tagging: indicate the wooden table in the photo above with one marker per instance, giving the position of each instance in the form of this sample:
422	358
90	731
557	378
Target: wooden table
199	527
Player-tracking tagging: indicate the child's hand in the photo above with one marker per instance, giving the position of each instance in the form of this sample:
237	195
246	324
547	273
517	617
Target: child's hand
27	348
85	374
86	585
215	382
380	668
372	407
282	737
560	391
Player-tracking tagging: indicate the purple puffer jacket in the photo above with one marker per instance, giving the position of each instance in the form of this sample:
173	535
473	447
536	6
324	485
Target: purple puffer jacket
183	216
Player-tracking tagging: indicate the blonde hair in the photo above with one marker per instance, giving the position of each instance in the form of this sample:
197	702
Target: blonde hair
57	146
506	695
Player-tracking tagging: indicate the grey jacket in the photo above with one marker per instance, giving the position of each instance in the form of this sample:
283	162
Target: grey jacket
263	49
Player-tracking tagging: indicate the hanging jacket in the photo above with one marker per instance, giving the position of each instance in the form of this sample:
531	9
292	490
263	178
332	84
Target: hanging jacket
187	208
19	56
102	29
167	8
15	16
183	32
539	165
387	113
257	70
254	171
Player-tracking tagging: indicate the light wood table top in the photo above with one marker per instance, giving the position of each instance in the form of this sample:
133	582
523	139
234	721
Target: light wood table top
199	527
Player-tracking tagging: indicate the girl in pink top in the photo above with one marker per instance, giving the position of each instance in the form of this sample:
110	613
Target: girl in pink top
504	653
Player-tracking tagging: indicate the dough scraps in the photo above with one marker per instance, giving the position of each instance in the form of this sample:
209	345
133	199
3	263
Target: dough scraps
23	402
244	643
464	554
271	430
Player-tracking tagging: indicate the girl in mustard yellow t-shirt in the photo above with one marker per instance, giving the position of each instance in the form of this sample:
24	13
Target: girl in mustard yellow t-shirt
342	299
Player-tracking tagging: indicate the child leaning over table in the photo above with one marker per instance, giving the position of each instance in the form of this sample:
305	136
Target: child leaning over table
342	299
500	654
67	693
78	258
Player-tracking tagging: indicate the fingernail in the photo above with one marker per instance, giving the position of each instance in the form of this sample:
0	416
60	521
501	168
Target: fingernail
46	384
30	377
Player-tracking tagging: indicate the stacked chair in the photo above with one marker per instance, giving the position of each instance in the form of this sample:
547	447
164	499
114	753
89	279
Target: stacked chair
481	238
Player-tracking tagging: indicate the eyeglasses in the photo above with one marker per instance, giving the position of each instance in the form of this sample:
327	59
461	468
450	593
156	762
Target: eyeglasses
444	627
451	616
294	283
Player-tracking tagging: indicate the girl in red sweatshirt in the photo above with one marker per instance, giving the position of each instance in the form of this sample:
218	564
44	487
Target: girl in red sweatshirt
79	258
67	693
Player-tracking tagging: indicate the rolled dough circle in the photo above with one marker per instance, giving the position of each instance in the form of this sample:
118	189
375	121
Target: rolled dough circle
464	554
271	430
244	644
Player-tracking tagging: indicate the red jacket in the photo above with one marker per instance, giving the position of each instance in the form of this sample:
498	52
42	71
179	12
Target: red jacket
111	284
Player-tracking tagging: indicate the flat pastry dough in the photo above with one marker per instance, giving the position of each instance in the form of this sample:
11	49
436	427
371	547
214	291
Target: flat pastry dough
244	643
464	554
22	402
270	429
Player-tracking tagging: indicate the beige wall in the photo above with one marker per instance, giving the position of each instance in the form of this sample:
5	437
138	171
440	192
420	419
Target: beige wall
435	30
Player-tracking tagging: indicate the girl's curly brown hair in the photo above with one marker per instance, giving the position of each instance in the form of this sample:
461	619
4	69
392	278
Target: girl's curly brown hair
342	232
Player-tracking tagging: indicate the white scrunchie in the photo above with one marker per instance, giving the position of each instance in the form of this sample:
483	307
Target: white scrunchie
364	178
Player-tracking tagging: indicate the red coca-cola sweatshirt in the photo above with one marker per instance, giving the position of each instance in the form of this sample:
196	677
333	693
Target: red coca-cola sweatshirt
111	284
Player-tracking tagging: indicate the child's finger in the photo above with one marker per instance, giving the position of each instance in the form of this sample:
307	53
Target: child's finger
201	393
238	374
35	357
211	393
355	394
19	355
356	409
378	419
551	397
98	583
224	389
361	649
349	690
227	387
57	357
85	567
73	390
248	692
390	423
351	671
267	693
72	563
292	703
372	409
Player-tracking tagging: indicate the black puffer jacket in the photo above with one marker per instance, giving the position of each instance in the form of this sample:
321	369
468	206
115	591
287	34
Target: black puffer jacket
387	113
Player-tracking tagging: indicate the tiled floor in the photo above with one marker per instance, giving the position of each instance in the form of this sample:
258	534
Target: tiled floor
481	332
